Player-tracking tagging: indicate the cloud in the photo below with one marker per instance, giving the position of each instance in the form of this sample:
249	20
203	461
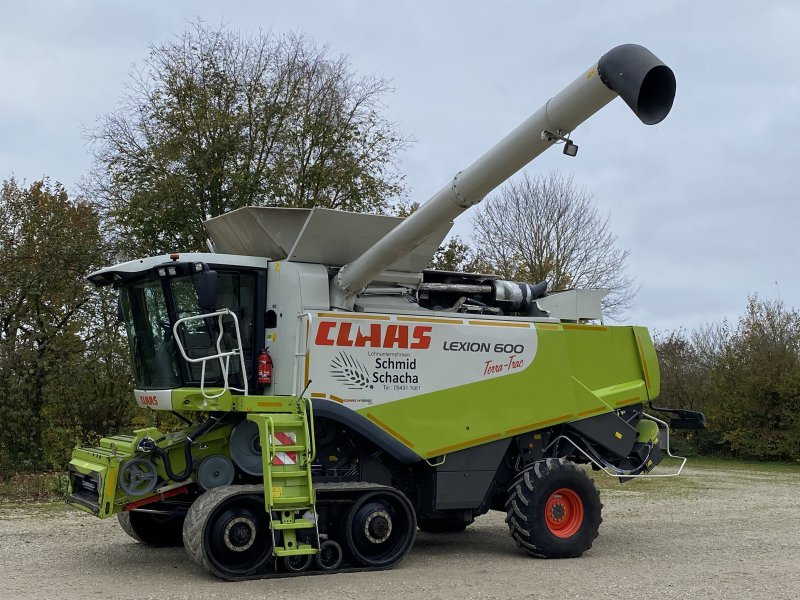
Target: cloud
705	201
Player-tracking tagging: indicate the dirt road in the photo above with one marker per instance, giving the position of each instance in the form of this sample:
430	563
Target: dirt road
716	533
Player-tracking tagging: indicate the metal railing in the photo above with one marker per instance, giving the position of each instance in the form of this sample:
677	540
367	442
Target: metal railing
221	355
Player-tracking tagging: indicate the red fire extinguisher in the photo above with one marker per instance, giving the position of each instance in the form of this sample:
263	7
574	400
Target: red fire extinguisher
264	367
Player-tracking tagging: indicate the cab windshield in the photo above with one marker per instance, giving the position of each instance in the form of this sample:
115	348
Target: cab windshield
150	309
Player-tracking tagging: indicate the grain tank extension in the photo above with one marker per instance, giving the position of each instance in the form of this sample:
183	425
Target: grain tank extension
338	395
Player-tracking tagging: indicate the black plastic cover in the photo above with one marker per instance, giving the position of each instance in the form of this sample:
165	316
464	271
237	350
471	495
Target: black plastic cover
645	83
336	412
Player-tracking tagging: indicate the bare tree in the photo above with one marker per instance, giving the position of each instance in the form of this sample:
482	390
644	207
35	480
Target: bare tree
545	228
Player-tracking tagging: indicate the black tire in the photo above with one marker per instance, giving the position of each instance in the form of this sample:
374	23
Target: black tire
330	555
380	529
445	525
227	531
297	563
554	509
153	529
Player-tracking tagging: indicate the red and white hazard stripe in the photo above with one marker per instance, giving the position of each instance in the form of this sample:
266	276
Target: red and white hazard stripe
284	438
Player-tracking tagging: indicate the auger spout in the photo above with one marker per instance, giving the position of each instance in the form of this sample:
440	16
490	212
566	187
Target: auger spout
629	71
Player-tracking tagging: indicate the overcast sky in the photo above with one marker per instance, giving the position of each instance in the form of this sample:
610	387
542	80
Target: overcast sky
706	202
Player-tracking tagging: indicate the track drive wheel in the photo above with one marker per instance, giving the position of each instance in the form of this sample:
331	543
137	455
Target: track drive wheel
153	529
554	509
446	525
380	529
227	532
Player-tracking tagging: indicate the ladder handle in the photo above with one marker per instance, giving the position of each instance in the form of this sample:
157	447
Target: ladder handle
312	441
270	427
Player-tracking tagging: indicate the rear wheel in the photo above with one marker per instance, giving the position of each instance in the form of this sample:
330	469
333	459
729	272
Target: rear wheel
554	509
153	529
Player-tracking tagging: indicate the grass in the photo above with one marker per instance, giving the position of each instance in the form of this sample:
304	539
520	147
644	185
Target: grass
709	462
695	478
33	488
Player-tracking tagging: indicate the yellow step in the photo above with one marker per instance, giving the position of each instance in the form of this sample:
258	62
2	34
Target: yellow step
292	473
303	549
297	524
298	501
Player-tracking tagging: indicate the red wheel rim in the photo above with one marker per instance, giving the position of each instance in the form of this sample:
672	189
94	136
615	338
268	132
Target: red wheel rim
563	513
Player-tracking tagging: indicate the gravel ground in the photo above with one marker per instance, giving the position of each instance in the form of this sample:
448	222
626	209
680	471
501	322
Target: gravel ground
714	533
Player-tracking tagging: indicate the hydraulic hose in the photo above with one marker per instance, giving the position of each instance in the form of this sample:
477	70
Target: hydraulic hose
164	456
204	428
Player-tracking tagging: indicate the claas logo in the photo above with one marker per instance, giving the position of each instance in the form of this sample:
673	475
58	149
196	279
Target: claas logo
374	335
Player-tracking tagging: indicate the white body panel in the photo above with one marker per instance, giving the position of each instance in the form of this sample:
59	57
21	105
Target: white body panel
364	360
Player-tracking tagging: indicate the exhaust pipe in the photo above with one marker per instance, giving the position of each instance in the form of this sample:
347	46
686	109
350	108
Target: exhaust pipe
630	71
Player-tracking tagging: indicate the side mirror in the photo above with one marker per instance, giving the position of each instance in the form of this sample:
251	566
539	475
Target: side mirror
207	290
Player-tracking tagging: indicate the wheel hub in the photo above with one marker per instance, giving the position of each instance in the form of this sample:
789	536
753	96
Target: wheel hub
240	534
378	526
563	513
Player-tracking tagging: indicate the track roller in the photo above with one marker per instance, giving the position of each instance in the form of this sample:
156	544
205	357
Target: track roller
330	556
380	528
297	564
227	531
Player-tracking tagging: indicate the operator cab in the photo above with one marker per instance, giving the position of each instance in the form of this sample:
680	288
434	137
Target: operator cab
213	303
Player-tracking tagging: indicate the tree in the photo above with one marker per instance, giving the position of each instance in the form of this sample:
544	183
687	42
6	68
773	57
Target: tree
758	383
215	120
545	228
457	255
64	373
745	379
454	255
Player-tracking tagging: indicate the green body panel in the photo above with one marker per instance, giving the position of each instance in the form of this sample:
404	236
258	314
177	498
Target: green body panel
647	431
579	371
193	399
106	459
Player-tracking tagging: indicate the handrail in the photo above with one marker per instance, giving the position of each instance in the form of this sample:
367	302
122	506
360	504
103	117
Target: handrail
223	356
270	454
300	350
310	436
615	472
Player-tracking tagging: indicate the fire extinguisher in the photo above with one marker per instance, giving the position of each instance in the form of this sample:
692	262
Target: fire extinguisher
264	367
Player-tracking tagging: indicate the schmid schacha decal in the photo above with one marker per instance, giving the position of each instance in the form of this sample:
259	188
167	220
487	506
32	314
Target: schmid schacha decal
364	362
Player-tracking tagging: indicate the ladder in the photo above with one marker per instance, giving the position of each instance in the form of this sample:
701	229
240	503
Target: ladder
287	450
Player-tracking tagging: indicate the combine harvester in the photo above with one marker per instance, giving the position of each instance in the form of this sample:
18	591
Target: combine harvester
344	395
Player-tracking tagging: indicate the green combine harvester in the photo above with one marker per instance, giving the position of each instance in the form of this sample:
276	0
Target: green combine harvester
338	396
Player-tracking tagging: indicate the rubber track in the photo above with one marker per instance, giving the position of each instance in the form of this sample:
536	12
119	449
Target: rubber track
193	530
124	519
518	499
